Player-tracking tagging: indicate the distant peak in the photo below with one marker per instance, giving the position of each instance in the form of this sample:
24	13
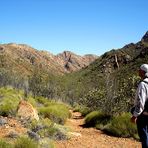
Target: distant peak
68	52
145	37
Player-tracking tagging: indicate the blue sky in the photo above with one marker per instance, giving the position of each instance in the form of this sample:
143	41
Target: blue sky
81	26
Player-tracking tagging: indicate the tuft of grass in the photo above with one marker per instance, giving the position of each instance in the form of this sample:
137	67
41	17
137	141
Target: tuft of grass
37	125
46	143
41	100
4	144
25	142
57	113
97	118
55	132
9	100
9	106
121	126
32	101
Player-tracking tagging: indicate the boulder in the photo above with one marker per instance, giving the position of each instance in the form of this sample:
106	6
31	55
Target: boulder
27	111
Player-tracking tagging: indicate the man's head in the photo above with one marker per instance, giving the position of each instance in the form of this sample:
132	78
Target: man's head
143	71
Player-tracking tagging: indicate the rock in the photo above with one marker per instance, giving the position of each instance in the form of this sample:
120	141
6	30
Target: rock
33	135
131	45
27	111
3	121
74	134
73	62
145	37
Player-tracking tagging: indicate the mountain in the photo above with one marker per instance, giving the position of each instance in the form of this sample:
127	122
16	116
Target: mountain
145	37
105	83
24	59
72	62
109	83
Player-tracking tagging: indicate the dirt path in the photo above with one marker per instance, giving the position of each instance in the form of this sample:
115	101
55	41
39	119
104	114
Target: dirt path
92	138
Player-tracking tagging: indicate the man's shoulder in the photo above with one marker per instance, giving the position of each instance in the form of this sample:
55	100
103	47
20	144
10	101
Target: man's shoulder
145	81
142	84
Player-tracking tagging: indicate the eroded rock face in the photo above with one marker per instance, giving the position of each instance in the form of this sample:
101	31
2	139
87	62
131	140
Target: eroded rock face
72	62
27	111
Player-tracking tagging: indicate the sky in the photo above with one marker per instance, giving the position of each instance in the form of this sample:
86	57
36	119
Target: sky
80	26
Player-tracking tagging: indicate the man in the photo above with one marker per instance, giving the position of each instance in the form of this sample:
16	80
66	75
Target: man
140	112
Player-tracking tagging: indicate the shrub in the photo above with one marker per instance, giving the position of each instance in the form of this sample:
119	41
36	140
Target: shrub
24	142
32	101
82	109
8	106
35	125
122	127
4	144
41	100
55	132
97	118
9	101
46	122
58	113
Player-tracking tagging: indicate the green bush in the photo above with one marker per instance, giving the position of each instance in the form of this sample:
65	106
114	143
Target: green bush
34	124
82	109
57	113
55	132
9	101
9	106
41	100
24	142
97	118
32	101
4	144
122	127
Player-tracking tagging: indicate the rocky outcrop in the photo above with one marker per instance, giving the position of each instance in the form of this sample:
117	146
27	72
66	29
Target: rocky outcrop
145	37
26	111
72	62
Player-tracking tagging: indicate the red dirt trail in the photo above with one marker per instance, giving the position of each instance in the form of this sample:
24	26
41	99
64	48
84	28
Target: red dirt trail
92	138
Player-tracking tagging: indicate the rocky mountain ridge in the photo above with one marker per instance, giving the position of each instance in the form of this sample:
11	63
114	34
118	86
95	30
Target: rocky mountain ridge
114	59
109	83
25	58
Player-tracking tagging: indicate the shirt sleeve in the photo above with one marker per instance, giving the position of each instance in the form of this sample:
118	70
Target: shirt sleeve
140	100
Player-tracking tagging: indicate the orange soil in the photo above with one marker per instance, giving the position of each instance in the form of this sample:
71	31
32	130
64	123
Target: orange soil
92	138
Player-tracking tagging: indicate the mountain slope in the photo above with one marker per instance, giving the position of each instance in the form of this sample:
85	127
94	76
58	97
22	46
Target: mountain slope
109	82
25	59
73	62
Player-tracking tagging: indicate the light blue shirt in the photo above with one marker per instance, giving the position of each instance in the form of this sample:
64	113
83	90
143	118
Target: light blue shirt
141	97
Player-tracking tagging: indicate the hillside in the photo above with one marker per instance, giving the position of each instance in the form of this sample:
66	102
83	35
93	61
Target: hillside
109	83
106	87
72	62
24	59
